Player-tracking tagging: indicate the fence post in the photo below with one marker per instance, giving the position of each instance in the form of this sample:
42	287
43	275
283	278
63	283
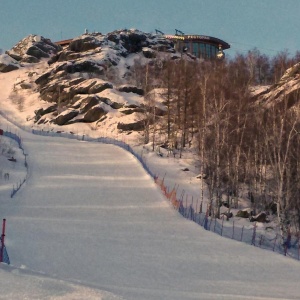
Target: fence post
232	230
242	233
222	225
186	212
200	208
192	210
2	240
275	242
254	235
298	248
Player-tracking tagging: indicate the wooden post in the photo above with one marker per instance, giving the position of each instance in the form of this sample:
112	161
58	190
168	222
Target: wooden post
242	233
222	225
275	242
2	240
254	235
298	236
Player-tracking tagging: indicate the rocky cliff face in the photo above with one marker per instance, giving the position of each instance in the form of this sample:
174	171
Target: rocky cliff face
288	88
33	48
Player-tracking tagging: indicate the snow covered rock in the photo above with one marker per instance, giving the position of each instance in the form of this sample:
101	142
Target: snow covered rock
131	89
78	77
86	42
65	117
261	217
8	64
134	126
33	48
94	114
288	88
243	214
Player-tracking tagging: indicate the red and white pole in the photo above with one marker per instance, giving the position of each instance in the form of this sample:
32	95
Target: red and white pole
2	240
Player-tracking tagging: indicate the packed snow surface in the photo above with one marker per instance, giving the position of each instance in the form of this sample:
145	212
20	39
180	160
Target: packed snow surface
90	223
90	218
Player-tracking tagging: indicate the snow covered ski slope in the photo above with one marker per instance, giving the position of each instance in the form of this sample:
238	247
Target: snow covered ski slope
89	214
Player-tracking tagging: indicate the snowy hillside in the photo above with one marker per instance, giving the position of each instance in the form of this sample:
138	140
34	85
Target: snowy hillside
89	218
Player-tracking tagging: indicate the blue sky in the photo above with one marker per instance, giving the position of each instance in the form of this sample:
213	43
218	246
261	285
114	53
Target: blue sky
269	25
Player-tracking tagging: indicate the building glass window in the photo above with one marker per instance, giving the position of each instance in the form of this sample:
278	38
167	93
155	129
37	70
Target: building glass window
202	50
195	49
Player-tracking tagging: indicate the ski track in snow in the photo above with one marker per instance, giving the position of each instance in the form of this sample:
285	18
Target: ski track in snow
106	226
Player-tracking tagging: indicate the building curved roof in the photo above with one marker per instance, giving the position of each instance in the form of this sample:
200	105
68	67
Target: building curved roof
199	38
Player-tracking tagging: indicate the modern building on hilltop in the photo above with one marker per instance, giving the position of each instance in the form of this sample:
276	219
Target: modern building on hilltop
200	46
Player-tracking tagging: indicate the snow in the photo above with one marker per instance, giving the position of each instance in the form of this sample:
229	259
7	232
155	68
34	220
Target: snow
7	60
90	223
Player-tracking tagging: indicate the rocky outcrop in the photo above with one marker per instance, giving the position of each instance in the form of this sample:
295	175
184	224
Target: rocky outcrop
41	112
287	89
134	126
8	64
76	80
33	48
65	117
243	214
86	42
88	102
94	114
131	89
261	217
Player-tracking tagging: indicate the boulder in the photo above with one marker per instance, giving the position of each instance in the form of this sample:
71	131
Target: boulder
7	68
25	86
14	55
94	114
83	87
137	126
37	52
243	214
261	217
84	66
29	59
100	87
41	112
130	111
85	42
43	79
34	45
131	89
133	41
148	52
65	117
88	103
8	64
